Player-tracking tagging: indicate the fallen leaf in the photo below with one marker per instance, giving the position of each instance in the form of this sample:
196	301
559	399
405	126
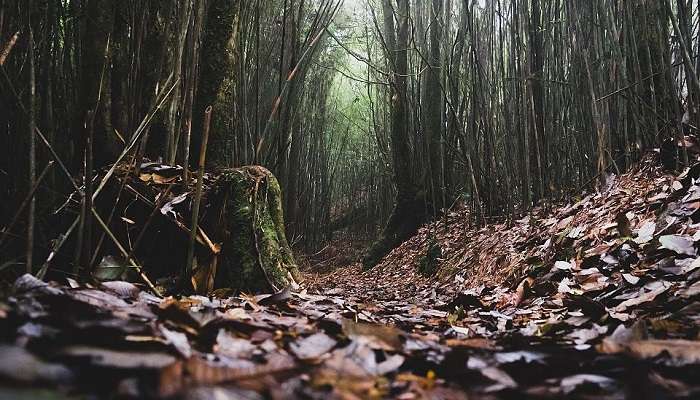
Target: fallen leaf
169	207
691	291
313	347
359	360
674	352
110	269
646	232
123	289
631	279
221	392
623	225
119	359
570	383
279	297
473	343
501	377
563	265
519	356
680	244
29	283
461	330
615	343
641	299
210	372
18	364
380	337
178	340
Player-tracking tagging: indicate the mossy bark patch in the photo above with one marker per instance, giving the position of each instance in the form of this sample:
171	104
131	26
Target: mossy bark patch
255	254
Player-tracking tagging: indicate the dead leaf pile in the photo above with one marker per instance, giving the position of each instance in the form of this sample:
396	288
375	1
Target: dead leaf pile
595	299
116	338
570	280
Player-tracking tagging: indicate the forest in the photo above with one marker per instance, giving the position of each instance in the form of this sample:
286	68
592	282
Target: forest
350	199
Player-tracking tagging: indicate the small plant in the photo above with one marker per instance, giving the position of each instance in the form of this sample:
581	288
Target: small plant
429	262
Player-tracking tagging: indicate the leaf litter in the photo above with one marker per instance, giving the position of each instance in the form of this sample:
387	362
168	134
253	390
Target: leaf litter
593	299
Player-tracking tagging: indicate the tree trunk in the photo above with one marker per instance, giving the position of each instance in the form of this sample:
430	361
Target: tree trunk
215	62
408	213
433	109
95	90
537	139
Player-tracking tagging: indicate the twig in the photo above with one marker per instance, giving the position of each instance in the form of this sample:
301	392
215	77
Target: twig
122	183
56	249
186	161
24	203
205	240
85	234
56	158
84	242
134	140
124	252
8	48
310	49
646	78
202	237
198	194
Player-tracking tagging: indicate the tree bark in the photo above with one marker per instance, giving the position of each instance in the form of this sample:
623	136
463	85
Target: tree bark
255	255
537	140
433	109
95	91
215	62
408	213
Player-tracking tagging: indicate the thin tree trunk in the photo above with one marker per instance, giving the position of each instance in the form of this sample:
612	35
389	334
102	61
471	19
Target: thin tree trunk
32	148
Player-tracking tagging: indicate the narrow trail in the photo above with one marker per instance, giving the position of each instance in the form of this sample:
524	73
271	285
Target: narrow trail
595	299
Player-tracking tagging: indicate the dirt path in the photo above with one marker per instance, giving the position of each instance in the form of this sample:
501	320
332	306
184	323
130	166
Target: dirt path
603	302
303	345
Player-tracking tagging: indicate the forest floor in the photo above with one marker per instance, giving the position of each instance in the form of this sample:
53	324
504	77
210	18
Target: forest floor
597	298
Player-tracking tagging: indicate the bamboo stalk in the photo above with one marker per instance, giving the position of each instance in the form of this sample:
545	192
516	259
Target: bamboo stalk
31	215
198	195
136	136
122	184
8	48
24	203
57	159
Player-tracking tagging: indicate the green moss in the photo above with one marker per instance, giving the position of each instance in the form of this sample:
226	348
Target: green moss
274	201
428	264
255	253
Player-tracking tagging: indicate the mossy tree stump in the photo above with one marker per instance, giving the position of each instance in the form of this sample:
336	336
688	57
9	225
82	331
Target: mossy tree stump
240	243
245	211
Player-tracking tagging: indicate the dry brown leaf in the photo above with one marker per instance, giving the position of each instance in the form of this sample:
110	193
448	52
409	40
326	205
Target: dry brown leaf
381	337
679	352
